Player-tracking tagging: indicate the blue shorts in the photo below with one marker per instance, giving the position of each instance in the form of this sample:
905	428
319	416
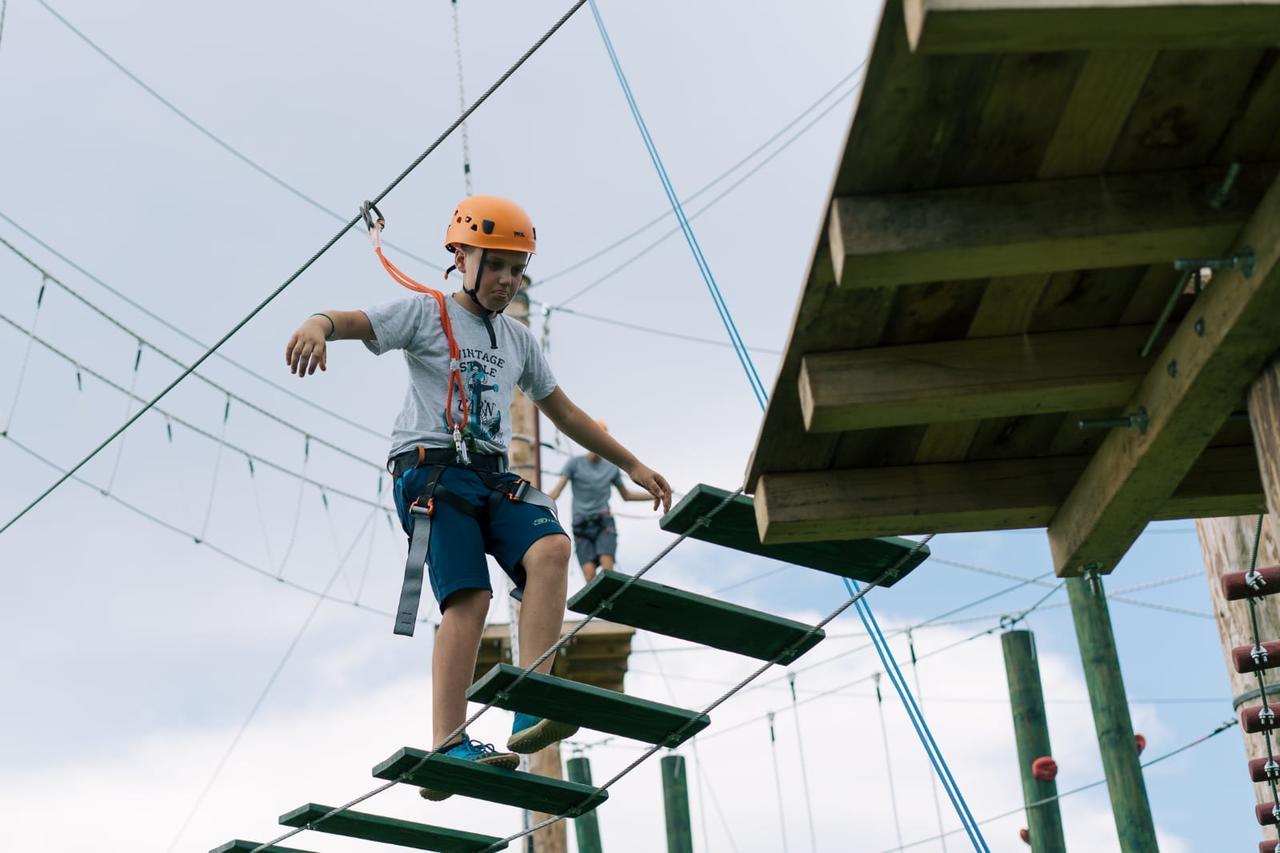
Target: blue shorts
595	537
459	541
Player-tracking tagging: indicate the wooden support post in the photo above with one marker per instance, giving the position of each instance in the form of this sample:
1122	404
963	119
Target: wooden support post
526	460
586	827
1129	806
1031	730
675	798
1227	546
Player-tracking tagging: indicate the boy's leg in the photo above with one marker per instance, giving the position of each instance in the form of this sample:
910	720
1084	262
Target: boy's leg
453	661
546	566
606	562
589	570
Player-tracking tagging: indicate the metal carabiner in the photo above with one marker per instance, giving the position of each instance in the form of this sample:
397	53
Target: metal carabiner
367	212
461	447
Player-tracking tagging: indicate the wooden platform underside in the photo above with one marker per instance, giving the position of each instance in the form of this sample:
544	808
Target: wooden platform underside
1000	241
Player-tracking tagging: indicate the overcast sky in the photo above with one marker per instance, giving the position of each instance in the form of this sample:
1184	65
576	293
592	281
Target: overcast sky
134	655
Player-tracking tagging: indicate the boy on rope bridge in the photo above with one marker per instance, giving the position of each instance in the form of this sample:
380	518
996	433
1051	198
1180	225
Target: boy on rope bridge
456	499
595	532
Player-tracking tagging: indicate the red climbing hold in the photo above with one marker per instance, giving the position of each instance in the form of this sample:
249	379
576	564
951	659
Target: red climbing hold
1238	586
1255	658
1141	742
1044	768
1260	718
1266	813
1025	835
1260	772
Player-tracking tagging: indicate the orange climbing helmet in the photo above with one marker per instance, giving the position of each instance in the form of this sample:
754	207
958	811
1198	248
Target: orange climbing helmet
491	222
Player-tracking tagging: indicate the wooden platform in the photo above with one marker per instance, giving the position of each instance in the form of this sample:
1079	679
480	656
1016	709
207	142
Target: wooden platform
999	244
597	655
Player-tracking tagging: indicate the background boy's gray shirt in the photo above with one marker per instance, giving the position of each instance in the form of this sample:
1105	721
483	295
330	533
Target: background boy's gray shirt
489	376
591	483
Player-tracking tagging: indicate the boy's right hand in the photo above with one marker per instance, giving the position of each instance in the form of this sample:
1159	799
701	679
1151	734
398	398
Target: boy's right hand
307	348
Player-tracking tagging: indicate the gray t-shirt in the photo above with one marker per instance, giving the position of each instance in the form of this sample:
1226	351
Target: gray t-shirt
489	376
591	482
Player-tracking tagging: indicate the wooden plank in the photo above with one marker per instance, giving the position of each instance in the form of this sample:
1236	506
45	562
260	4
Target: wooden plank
241	846
971	379
389	830
471	779
1000	494
1218	350
735	527
1005	26
1036	227
592	707
698	618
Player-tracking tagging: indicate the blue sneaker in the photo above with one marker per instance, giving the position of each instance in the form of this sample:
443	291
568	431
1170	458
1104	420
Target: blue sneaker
472	750
530	734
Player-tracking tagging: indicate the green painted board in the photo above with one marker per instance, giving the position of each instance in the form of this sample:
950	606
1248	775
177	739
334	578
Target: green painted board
237	846
509	787
390	830
585	705
697	618
735	527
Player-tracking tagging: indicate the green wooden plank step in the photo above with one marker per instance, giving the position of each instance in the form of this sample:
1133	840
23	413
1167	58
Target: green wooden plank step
735	527
237	846
390	830
585	705
509	787
697	618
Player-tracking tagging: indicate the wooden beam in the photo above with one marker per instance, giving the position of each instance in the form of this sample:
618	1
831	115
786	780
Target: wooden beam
971	379
1036	227
1230	333
1017	26
971	496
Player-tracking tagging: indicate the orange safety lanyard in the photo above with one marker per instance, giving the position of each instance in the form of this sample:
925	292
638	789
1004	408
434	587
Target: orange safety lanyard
455	354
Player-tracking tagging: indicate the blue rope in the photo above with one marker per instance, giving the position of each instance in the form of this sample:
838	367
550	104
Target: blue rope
762	397
717	298
917	719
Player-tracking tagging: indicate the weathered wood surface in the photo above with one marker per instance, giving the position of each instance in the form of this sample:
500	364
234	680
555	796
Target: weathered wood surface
971	379
1198	378
1001	494
1264	419
1227	544
1048	226
997	26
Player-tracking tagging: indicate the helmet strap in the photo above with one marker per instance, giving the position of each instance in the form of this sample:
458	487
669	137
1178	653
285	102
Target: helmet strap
485	313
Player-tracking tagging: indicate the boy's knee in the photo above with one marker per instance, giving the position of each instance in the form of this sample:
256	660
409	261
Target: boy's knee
467	603
550	552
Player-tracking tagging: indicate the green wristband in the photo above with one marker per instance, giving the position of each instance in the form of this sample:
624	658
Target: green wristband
333	327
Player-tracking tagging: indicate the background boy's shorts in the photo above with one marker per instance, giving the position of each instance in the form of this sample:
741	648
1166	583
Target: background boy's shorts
595	537
459	542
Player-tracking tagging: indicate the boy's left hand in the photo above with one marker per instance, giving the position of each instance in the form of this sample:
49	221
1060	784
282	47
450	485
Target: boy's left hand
653	483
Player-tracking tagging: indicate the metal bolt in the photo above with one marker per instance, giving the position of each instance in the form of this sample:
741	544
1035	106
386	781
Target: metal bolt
1173	368
1219	196
1199	327
1138	420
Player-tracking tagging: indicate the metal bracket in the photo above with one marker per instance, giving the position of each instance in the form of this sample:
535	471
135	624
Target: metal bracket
1139	420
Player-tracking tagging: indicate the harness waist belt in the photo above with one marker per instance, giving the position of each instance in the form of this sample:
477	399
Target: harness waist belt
493	463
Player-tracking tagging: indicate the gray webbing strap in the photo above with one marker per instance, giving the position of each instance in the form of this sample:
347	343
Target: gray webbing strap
411	590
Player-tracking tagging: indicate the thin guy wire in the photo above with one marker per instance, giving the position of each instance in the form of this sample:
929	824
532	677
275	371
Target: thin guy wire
804	767
666	235
1262	682
604	605
178	330
134	397
777	782
209	134
129	396
888	762
305	266
173	528
26	359
217	468
266	689
297	511
262	516
1020	809
933	777
249	404
623	324
462	98
707	187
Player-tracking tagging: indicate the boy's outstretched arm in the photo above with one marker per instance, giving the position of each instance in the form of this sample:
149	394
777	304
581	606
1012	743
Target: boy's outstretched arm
580	427
307	349
554	494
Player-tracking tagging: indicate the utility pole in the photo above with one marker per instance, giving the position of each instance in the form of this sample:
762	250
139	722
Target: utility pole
586	827
526	460
675	800
1031	730
1128	790
1227	547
